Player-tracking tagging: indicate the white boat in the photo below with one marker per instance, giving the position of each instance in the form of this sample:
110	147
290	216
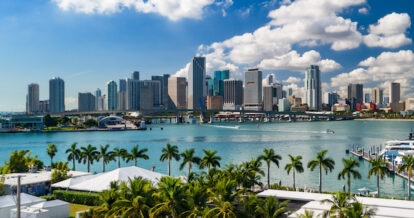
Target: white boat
330	131
399	147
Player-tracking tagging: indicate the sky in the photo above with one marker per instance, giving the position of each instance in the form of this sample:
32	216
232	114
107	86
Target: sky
90	42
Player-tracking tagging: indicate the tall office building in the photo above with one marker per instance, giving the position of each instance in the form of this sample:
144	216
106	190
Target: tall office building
332	98
112	89
86	102
196	90
253	90
135	75
268	98
133	96
395	92
32	99
122	95
313	88
233	94
177	87
146	97
98	94
56	95
100	103
218	82
210	85
377	96
44	106
290	91
355	95
367	98
163	80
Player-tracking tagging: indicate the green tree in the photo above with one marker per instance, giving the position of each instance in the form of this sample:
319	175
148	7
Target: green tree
224	195
343	206
189	158
106	155
171	197
51	151
380	169
271	208
322	162
137	153
60	172
50	121
120	153
20	161
210	159
407	165
88	155
90	123
74	154
348	170
168	153
269	157
196	200
295	165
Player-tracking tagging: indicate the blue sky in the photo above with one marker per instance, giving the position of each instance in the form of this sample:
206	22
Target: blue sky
89	42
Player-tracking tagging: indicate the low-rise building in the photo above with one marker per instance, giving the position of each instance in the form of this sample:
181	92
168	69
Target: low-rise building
284	105
340	107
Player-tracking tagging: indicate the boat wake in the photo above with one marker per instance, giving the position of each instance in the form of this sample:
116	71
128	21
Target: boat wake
226	127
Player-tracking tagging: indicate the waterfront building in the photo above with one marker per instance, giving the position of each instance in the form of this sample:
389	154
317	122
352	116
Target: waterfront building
146	97
112	90
98	94
332	98
233	94
163	80
355	95
268	98
210	85
217	83
294	101
214	102
122	85
340	107
44	106
56	95
313	88
135	75
32	99
133	95
367	98
86	102
284	105
177	91
409	104
253	90
377	96
196	89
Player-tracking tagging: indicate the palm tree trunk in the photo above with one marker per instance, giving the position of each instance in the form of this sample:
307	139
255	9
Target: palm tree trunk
135	164
320	178
268	176
169	168
294	183
103	165
409	185
189	170
73	161
119	161
51	162
378	187
349	184
88	165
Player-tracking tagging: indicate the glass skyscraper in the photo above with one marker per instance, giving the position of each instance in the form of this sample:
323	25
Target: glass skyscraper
313	88
112	89
197	88
56	95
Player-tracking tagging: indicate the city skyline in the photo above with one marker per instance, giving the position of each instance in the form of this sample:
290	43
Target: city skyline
364	41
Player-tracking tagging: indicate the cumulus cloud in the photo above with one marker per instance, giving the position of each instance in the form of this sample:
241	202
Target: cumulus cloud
294	62
363	11
292	79
389	32
379	71
172	9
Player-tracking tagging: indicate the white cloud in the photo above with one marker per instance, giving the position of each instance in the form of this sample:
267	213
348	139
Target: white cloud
71	103
293	79
389	32
294	62
379	71
172	9
363	11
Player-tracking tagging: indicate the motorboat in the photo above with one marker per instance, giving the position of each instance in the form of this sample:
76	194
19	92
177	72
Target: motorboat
330	131
399	147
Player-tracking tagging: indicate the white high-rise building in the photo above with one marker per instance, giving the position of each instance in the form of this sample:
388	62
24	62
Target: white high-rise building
56	95
32	101
313	88
112	89
98	94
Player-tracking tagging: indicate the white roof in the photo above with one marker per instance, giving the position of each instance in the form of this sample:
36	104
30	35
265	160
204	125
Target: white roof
49	204
291	195
35	178
100	182
25	199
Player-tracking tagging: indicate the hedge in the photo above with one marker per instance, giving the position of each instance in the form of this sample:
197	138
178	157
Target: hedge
85	198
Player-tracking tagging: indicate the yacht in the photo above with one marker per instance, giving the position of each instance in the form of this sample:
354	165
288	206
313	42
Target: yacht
399	147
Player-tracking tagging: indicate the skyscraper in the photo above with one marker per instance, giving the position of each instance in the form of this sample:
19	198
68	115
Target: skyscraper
32	101
197	89
253	90
98	94
233	94
395	92
177	91
355	95
86	102
133	96
56	95
367	98
122	98
313	88
332	98
163	80
268	98
135	75
112	89
377	96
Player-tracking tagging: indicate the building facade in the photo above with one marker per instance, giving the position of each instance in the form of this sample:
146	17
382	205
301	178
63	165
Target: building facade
284	105
56	95
214	102
135	75
313	88
355	95
32	99
98	94
112	89
86	102
332	98
233	94
377	96
268	104
177	92
163	80
253	90
196	90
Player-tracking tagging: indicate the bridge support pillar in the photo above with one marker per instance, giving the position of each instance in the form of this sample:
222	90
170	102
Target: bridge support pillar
316	118
178	118
211	117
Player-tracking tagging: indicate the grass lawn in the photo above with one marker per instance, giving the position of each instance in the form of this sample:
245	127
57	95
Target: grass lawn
73	208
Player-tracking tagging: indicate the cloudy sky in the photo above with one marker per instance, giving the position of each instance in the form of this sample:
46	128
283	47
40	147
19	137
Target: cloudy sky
89	42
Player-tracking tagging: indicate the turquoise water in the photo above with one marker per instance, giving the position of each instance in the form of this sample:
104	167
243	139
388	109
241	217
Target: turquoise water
236	145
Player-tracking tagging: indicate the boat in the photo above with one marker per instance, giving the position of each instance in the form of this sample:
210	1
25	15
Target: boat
399	147
330	131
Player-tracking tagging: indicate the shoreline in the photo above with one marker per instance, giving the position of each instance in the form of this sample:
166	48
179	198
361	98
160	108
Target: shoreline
383	119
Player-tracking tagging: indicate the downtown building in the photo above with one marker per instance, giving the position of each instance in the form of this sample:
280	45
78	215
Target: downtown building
377	96
56	95
196	89
164	99
395	94
233	94
122	97
355	95
32	98
177	89
112	91
253	90
138	92
86	102
313	88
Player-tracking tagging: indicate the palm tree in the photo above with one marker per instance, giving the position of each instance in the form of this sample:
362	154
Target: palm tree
295	165
73	154
210	159
271	208
51	151
408	165
378	168
322	162
137	153
168	153
88	155
121	154
197	198
269	157
106	155
189	158
171	195
224	195
348	170
339	205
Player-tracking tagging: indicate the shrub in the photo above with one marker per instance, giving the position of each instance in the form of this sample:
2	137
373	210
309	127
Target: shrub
90	199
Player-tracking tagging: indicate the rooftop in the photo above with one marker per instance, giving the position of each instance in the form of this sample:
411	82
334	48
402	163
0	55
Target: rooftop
35	178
